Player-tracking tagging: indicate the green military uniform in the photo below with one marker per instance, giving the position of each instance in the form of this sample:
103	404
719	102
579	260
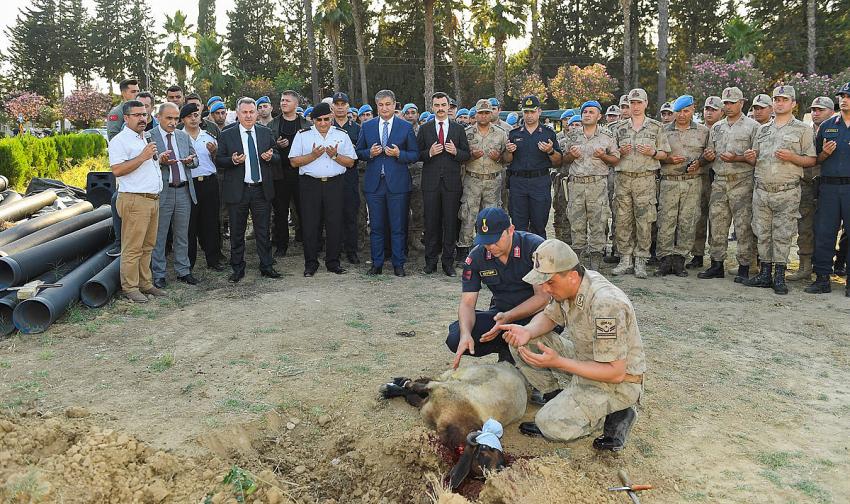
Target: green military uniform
561	220
588	204
679	194
602	327
636	190
482	180
701	226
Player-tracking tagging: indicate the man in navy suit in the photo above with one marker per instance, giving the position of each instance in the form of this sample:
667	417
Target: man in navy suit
388	145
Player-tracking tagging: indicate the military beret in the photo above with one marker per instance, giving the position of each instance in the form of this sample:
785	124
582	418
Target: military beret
682	102
494	102
472	112
189	109
424	116
512	118
216	107
213	99
299	110
364	109
591	103
307	111
263	99
408	106
574	119
320	110
462	112
567	114
353	110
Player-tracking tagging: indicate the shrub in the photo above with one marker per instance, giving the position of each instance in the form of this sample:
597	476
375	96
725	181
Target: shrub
26	157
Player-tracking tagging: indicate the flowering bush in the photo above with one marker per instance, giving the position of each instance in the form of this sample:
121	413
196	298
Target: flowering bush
573	85
527	84
809	87
27	105
85	106
709	75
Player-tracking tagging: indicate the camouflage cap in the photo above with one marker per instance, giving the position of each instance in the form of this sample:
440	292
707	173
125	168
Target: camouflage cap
613	110
666	107
624	101
638	94
713	102
786	91
732	94
483	105
823	102
763	101
552	256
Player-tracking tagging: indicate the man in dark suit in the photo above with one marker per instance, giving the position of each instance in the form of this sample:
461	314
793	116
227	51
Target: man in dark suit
443	146
388	145
246	154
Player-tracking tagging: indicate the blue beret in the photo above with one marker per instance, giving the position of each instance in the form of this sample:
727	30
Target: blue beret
574	119
591	103
424	116
213	99
364	109
462	112
263	99
494	102
567	114
216	107
308	110
353	110
682	102
299	110
512	118
408	106
472	111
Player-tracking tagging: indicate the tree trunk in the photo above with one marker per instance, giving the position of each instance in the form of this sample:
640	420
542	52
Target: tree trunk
311	50
429	51
626	7
534	48
499	81
663	48
811	33
333	49
455	65
635	44
357	15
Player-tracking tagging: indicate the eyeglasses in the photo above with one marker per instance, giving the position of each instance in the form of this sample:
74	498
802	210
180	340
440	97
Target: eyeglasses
322	119
138	114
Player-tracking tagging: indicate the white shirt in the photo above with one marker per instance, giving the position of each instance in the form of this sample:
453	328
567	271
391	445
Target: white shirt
244	135
175	154
324	166
147	178
445	124
381	122
206	165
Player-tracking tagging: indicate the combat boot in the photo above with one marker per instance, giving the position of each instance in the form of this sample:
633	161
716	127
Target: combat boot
779	286
640	267
616	430
743	274
666	266
625	267
804	272
820	285
763	279
679	266
695	263
595	261
713	271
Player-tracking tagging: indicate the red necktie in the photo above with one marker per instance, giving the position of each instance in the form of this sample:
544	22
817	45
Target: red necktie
441	135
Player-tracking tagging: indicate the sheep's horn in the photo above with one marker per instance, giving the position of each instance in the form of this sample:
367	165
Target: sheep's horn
470	438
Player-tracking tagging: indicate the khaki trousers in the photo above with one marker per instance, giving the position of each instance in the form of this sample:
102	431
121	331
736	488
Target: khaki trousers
139	221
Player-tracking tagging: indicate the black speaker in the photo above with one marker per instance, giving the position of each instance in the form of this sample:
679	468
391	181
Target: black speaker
99	187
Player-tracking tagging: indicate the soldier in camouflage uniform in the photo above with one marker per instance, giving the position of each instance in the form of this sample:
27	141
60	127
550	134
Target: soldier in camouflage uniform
762	109
483	173
589	153
593	373
712	112
822	109
732	189
782	149
560	218
642	146
624	113
416	217
666	113
680	187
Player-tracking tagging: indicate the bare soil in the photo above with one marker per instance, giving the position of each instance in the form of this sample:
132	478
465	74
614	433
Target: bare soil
266	392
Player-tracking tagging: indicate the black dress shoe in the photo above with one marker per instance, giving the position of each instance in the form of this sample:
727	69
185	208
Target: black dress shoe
352	258
189	279
399	271
159	283
530	429
429	268
449	270
310	272
235	277
270	273
215	267
375	270
338	270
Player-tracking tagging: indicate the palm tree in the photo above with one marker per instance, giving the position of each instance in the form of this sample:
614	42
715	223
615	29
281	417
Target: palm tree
332	15
493	21
429	50
178	56
743	39
208	76
358	11
311	50
446	13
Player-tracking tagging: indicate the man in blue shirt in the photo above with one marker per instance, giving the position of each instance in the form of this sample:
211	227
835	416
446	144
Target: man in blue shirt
500	259
833	147
531	151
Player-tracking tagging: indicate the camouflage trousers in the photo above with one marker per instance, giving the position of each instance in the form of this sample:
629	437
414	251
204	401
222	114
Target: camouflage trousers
732	200
560	208
612	204
582	405
416	219
775	214
478	194
701	225
806	222
678	207
588	210
635	213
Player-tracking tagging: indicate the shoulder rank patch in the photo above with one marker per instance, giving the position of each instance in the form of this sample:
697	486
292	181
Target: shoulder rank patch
517	251
305	130
606	328
488	273
467	275
468	260
488	255
580	301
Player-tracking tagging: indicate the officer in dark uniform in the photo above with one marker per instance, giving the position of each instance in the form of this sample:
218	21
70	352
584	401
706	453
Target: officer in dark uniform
531	151
833	147
351	198
500	259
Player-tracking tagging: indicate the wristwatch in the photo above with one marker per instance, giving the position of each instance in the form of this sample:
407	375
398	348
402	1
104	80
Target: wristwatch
335	156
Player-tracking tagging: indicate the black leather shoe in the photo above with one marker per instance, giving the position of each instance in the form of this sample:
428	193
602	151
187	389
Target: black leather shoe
270	273
399	271
429	268
338	270
159	283
375	270
449	270
189	279
235	277
530	429
352	258
215	267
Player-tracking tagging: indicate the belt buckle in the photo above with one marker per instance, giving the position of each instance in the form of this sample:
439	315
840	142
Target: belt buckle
324	179
200	179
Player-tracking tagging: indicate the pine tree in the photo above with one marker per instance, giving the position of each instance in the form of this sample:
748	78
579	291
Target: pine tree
206	17
142	58
252	40
107	38
74	49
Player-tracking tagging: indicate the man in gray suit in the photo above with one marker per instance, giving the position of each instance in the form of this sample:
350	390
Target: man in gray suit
178	193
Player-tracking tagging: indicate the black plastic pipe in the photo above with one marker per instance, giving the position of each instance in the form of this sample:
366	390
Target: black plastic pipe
27	206
22	266
34	315
53	231
10	197
100	289
10	300
31	226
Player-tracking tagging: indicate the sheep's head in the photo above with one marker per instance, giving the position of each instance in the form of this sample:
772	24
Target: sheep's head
477	460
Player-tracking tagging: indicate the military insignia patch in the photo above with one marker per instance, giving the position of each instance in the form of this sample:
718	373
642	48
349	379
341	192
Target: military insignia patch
488	273
580	301
488	255
113	117
484	227
606	328
468	260
467	274
517	252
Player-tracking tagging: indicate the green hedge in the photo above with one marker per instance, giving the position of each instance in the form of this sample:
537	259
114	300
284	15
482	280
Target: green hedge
24	158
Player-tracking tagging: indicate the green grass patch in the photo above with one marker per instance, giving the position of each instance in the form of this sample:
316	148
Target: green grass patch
813	491
777	460
46	355
771	476
165	361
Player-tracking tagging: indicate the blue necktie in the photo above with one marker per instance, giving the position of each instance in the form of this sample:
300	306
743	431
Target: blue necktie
386	134
253	162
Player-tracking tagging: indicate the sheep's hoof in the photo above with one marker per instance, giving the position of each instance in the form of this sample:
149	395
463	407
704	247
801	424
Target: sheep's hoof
400	381
390	390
